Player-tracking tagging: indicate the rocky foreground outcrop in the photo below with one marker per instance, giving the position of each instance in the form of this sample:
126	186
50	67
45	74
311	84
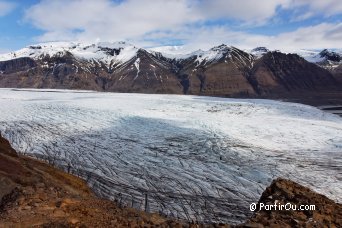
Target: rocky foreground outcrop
34	194
327	213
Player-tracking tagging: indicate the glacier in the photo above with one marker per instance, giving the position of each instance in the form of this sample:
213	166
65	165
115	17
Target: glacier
189	157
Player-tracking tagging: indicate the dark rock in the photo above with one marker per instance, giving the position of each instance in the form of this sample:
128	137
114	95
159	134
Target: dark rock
17	65
330	55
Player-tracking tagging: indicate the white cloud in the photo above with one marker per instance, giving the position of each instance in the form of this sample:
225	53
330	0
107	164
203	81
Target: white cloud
325	7
251	11
4	51
324	35
6	7
152	23
106	20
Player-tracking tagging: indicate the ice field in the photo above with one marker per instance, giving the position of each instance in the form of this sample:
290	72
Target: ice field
189	157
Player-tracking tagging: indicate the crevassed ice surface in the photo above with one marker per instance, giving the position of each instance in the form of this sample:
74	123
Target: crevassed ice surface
195	158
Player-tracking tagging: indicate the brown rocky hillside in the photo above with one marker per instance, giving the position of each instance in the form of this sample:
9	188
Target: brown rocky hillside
327	213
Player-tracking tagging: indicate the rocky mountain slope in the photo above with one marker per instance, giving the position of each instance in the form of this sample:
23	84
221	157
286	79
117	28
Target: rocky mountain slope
33	193
122	67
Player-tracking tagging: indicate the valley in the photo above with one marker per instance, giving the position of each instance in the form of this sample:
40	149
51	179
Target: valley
170	113
188	157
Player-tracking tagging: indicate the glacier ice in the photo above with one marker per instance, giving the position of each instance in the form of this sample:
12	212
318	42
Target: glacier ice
195	158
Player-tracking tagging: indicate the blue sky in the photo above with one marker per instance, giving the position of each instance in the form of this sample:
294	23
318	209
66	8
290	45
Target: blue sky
277	24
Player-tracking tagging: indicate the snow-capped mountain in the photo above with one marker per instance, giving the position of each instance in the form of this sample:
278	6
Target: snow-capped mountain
221	53
109	53
259	51
119	66
328	58
325	57
331	55
120	52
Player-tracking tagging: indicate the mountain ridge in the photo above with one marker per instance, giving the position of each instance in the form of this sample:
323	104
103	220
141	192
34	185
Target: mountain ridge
96	50
122	67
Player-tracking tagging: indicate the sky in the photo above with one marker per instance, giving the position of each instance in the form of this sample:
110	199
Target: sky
286	25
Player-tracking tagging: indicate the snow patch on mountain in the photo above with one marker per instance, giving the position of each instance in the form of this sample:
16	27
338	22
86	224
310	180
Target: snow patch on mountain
201	56
172	52
212	55
137	66
310	55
